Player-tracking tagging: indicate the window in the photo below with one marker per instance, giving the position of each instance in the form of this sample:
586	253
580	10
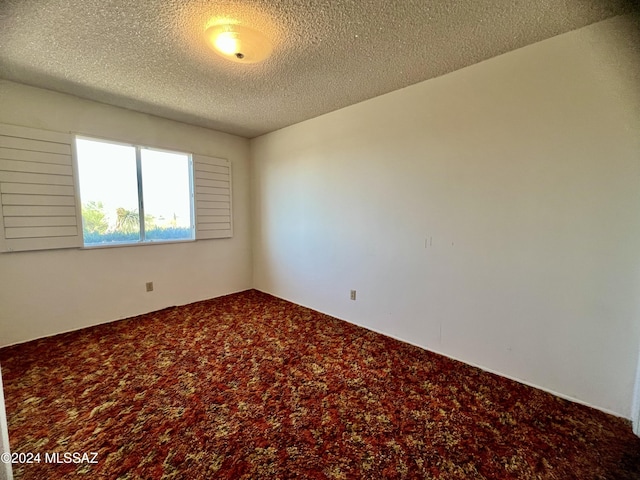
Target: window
132	194
106	193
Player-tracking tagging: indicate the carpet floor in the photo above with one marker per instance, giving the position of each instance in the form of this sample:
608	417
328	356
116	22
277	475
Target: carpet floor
248	386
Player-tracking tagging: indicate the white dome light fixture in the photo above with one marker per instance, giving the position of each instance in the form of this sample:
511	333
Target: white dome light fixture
238	44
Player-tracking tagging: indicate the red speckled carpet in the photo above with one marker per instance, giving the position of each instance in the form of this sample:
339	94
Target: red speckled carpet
249	386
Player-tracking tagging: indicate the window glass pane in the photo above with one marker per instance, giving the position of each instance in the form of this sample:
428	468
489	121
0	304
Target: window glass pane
166	190
109	192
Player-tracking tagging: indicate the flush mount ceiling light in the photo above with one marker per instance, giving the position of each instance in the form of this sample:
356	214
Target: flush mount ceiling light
238	44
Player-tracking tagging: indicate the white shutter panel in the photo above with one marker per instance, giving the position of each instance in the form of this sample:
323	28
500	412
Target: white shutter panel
37	190
212	184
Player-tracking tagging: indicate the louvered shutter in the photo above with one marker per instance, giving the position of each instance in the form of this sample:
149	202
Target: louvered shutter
37	190
212	183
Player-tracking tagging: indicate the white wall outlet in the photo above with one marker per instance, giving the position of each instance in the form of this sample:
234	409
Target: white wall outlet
353	295
149	286
428	242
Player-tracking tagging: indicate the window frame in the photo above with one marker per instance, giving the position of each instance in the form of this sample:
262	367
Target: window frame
140	184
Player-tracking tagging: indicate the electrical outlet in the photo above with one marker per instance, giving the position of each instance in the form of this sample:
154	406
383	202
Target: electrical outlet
149	286
353	295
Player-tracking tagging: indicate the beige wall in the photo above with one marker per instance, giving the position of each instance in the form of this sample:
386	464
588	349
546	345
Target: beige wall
47	292
492	214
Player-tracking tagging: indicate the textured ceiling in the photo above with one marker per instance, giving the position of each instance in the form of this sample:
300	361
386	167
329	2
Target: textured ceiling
151	56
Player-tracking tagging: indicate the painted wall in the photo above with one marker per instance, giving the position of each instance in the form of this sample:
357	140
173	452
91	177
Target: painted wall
491	214
47	292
